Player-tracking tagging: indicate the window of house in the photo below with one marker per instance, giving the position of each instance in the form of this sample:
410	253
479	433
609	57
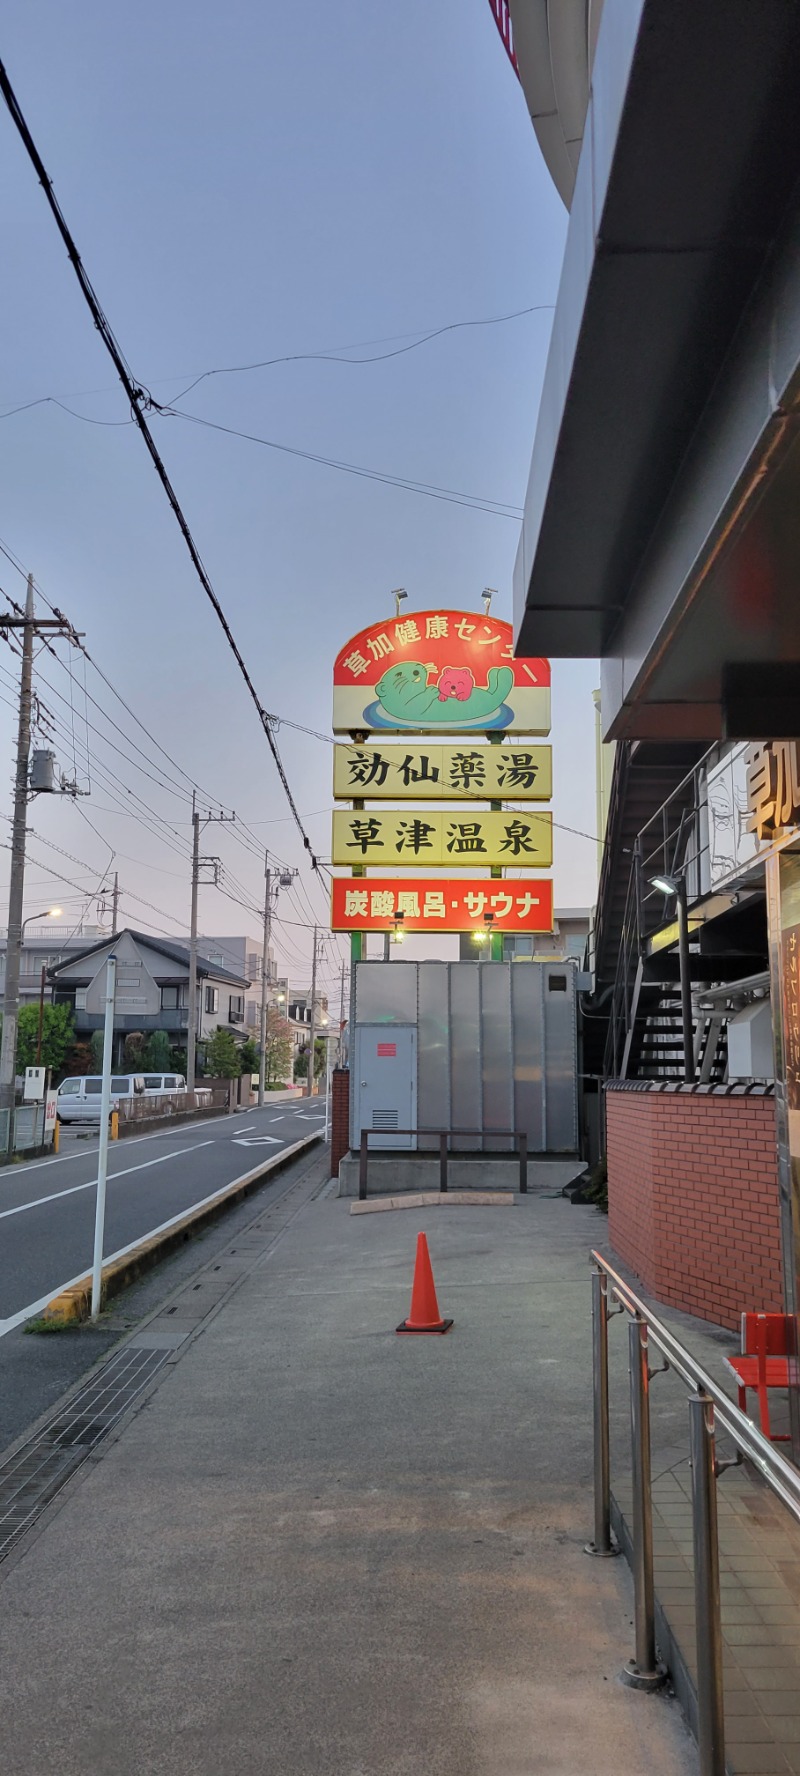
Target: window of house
80	998
169	998
236	1008
212	999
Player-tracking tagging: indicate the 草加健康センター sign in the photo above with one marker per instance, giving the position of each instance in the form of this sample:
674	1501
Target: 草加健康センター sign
425	838
394	772
439	672
466	905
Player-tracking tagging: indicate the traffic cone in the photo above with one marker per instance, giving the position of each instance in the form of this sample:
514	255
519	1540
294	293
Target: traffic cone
424	1315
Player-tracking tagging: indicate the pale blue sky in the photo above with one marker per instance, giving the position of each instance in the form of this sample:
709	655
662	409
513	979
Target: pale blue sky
245	182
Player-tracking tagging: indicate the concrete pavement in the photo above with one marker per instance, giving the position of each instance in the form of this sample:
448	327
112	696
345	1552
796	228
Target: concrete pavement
322	1550
47	1206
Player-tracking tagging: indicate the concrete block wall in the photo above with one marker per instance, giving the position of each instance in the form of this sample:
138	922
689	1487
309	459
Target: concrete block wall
693	1203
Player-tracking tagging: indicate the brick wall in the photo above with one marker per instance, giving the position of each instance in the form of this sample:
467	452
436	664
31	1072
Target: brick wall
340	1116
693	1202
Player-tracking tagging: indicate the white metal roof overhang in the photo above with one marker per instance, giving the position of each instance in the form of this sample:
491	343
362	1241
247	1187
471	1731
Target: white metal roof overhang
662	526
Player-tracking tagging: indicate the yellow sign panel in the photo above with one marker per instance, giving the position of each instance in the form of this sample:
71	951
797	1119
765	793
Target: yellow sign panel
443	773
424	838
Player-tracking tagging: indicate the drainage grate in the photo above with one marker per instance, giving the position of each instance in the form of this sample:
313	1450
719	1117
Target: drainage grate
36	1472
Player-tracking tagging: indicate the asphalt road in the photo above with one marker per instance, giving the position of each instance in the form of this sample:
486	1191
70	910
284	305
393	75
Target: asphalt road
47	1207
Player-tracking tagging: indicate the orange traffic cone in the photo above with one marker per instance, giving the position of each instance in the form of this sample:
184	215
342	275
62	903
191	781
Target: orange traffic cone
424	1315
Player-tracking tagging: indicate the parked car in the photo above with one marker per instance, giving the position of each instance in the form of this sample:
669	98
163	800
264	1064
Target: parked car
159	1084
79	1096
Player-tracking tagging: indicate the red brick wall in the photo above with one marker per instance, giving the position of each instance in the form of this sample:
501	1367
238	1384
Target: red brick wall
693	1202
340	1116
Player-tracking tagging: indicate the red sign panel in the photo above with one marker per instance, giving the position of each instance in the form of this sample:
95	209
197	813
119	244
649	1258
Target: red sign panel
440	905
387	1051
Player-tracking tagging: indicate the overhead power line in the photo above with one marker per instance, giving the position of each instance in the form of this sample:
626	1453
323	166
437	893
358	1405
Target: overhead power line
140	399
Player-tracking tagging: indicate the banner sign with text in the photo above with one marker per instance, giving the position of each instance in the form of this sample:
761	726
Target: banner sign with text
424	838
439	671
443	773
443	906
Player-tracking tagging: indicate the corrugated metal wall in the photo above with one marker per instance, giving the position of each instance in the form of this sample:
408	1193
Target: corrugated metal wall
496	1044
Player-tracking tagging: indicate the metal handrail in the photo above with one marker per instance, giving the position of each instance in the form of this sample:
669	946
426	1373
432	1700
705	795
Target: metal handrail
708	1405
519	1136
773	1467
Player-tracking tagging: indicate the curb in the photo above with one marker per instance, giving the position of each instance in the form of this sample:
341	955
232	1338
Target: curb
74	1304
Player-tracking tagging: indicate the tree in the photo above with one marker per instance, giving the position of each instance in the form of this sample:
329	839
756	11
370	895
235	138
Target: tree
157	1052
301	1063
223	1060
249	1056
96	1046
177	1061
58	1035
278	1050
134	1052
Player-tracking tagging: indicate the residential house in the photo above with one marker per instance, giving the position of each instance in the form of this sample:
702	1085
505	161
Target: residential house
152	990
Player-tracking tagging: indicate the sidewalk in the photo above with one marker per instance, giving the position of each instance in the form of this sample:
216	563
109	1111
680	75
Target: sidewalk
322	1550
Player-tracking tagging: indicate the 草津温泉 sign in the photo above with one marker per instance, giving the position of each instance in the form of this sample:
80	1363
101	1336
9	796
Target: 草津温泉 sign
426	838
439	671
443	773
441	906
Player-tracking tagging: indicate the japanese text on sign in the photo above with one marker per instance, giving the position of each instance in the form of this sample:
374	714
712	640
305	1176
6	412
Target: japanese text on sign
427	838
773	786
442	773
444	906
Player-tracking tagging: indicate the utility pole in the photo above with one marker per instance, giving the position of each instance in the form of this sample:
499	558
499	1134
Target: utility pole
262	1059
191	1013
310	1086
8	1048
28	624
198	863
115	905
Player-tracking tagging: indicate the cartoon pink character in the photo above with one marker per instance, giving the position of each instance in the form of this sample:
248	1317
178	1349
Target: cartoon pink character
455	681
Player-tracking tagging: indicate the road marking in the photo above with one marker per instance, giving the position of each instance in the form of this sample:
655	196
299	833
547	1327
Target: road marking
35	1307
256	1140
57	1195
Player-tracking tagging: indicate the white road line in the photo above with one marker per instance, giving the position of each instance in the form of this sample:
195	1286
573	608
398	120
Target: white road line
57	1195
180	1128
35	1307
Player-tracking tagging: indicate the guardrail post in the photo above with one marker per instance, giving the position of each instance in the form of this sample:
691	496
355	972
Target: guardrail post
642	1672
602	1546
443	1163
708	1626
362	1167
523	1165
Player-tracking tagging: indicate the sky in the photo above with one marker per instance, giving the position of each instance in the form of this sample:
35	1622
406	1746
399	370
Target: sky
249	183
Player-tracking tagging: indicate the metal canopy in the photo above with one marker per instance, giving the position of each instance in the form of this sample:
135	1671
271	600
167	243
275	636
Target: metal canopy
660	527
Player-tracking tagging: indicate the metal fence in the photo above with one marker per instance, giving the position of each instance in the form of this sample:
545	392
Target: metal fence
22	1128
708	1407
171	1105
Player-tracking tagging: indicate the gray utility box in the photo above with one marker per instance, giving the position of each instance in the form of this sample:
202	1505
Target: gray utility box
465	1045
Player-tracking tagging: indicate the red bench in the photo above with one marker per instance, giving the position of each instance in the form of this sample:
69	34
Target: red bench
764	1363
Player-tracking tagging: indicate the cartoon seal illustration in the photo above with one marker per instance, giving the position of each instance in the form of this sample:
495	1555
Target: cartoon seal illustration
405	694
456	681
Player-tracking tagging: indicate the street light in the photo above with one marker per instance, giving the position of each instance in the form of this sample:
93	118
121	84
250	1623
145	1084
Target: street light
51	913
676	885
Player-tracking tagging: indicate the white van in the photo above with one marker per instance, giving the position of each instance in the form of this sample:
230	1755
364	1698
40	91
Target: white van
79	1098
163	1084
